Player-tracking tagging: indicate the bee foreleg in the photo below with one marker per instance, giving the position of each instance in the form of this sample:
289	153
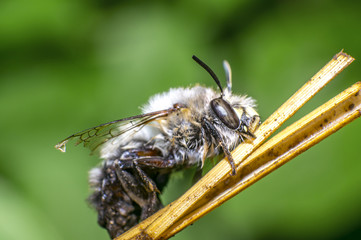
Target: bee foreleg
210	129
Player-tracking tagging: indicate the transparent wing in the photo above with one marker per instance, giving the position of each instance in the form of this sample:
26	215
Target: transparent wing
94	137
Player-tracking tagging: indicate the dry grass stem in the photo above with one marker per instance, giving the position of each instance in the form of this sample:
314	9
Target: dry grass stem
286	145
254	160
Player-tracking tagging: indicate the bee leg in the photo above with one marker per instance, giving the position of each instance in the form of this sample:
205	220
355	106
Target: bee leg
140	188
153	202
134	190
152	163
210	129
156	163
150	184
159	165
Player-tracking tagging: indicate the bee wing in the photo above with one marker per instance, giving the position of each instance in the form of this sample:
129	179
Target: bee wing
94	137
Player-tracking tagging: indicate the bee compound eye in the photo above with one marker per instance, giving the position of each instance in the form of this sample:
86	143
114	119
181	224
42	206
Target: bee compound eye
225	113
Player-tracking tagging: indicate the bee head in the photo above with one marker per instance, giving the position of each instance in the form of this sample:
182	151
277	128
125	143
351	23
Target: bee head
221	108
235	118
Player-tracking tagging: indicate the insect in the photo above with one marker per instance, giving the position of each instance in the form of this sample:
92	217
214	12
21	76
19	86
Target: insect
178	129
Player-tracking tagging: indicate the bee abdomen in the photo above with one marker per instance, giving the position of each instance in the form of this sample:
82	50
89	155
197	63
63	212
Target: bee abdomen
121	197
116	210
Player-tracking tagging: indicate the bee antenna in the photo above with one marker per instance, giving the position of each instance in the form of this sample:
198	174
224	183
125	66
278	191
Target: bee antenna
227	69
209	70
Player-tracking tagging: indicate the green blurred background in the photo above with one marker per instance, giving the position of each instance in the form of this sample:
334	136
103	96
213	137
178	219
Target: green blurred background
66	65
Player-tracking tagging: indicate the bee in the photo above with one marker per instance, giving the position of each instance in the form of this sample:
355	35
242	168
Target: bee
178	129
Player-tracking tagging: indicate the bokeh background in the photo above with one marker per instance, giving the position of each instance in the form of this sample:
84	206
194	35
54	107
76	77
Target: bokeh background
66	65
